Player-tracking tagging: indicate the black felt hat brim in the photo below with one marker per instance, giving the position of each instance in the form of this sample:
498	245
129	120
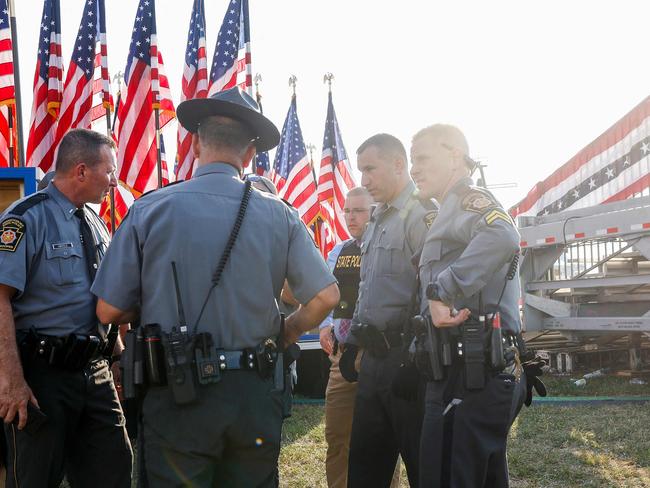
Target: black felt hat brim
190	113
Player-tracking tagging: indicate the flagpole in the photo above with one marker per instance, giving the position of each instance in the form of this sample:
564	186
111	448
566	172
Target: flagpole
258	99
109	132
10	123
156	112
19	105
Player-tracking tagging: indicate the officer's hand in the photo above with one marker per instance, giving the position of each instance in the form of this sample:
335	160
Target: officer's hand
441	315
14	395
326	340
291	333
347	363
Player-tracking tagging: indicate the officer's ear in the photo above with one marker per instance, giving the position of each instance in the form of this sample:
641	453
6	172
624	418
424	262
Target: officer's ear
81	171
400	165
196	146
249	155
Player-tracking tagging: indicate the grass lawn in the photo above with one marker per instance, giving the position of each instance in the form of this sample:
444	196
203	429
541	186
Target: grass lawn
550	446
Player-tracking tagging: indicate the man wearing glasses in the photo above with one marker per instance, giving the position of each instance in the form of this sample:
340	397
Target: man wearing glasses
345	262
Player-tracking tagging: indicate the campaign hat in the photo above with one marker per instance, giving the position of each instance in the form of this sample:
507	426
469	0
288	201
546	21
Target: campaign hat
234	103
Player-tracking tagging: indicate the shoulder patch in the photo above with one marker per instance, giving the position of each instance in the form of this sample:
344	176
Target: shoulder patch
12	231
430	217
29	202
478	201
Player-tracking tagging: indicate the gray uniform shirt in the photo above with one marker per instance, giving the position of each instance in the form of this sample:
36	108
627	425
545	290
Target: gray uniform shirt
189	223
391	242
468	250
47	265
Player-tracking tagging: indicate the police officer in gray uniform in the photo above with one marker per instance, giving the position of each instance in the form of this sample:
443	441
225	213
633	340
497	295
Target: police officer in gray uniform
464	266
384	425
50	246
226	430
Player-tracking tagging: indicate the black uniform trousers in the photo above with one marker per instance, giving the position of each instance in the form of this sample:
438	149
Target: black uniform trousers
466	446
383	426
229	438
84	437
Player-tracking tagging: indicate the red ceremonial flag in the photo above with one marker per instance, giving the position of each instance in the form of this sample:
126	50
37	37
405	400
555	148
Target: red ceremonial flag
77	104
195	85
7	93
614	167
145	88
48	90
335	178
231	64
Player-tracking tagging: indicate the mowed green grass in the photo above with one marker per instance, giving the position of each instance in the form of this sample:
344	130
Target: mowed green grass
550	446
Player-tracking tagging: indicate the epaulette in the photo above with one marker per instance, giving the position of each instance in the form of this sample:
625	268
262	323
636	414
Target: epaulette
29	202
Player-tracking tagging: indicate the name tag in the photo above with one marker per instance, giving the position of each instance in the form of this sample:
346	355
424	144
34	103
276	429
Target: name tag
62	245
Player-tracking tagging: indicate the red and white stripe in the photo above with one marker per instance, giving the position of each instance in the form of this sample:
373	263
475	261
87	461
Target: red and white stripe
334	182
607	148
123	201
300	191
194	85
7	94
45	108
135	126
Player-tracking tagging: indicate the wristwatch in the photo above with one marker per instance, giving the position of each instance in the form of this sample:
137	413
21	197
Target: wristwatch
432	293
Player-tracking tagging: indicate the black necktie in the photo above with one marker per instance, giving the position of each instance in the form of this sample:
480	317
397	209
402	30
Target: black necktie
88	242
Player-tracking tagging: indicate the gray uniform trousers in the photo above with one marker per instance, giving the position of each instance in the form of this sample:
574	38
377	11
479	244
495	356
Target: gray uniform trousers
84	436
466	447
229	438
383	426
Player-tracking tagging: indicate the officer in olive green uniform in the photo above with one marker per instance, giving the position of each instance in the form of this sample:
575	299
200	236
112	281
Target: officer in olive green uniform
230	434
50	247
384	425
465	265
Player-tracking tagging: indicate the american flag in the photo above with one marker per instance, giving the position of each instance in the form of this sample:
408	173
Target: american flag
195	85
292	172
77	104
7	92
231	64
48	89
614	167
102	98
144	85
335	178
123	201
262	164
124	198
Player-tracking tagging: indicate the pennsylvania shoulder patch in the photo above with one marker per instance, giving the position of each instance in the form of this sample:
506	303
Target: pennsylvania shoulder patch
430	217
12	231
477	201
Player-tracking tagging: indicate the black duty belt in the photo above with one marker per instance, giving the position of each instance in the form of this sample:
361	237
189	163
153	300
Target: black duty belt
73	352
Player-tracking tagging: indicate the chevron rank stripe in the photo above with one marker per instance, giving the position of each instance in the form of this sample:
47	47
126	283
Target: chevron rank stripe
497	214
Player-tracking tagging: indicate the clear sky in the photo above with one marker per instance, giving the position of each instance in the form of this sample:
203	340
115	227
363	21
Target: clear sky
530	83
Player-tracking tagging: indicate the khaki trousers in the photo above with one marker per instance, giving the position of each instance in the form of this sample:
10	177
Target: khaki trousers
339	407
